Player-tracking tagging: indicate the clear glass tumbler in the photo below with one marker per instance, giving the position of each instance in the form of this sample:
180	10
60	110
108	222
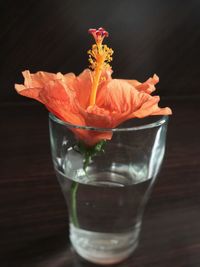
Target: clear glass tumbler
106	200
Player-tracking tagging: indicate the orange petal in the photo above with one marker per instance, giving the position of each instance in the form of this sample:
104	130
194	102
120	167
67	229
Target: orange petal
120	99
34	83
148	86
30	92
117	96
82	85
150	107
162	111
38	79
61	101
97	117
123	101
52	91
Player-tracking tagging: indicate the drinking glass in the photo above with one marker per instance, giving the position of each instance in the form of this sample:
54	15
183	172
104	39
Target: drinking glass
106	199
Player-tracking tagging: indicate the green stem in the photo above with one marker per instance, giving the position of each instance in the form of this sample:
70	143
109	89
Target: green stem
73	190
88	153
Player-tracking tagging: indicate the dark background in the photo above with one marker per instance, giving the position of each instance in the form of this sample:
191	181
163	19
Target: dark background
148	37
152	36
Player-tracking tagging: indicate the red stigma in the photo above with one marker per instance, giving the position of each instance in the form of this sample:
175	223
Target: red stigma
97	33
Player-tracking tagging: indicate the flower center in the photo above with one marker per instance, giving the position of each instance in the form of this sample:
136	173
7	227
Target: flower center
99	58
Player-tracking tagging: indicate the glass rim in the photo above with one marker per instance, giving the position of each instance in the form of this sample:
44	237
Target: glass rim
157	123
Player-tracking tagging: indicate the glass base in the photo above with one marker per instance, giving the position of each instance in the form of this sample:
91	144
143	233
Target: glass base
104	248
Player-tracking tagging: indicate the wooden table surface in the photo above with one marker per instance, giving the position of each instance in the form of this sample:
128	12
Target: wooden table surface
33	215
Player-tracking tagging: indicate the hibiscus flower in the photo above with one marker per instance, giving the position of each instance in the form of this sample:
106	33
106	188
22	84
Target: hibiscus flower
93	98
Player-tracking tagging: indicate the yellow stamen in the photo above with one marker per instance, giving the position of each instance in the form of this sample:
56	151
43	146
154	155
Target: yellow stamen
99	58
